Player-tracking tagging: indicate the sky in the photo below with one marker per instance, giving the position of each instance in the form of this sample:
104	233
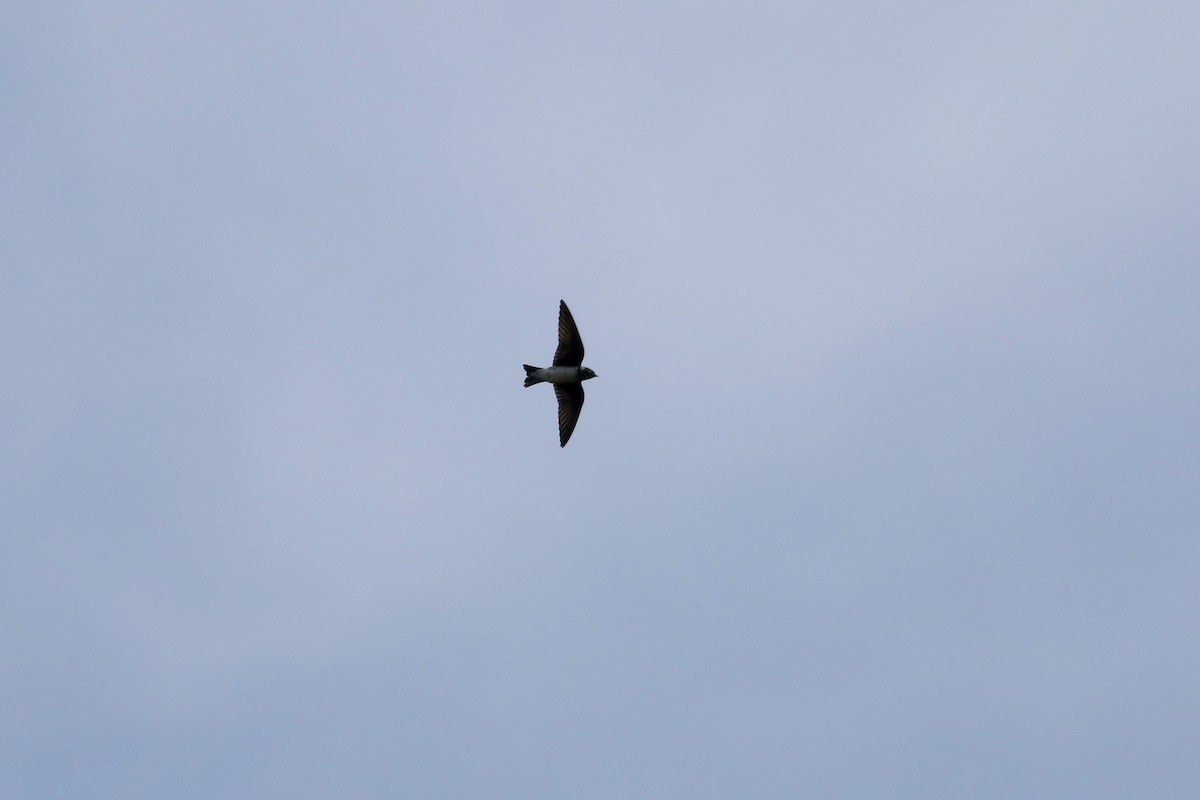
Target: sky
886	487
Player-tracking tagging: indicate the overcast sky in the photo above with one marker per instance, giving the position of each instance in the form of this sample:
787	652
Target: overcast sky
887	487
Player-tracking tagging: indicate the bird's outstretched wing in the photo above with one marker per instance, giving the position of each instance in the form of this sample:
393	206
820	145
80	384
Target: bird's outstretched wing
570	345
570	401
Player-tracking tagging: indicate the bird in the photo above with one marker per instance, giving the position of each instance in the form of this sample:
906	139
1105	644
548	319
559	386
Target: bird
567	374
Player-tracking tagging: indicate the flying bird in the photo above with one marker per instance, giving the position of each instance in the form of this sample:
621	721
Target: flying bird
567	375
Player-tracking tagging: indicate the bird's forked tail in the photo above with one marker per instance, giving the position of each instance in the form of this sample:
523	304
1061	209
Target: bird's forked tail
529	379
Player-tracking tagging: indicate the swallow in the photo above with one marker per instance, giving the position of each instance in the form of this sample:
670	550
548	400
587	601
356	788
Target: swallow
567	374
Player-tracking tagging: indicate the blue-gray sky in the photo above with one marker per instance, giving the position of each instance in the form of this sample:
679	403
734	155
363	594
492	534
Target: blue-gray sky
887	486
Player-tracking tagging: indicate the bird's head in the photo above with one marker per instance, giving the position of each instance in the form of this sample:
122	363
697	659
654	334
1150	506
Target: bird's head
586	373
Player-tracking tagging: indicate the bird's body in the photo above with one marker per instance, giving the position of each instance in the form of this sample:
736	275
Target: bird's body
567	374
554	375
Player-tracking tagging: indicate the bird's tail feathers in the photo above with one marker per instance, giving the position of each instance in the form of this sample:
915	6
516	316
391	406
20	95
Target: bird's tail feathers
529	379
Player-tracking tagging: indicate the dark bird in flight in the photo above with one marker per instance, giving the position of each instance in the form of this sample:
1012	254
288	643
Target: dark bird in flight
567	375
